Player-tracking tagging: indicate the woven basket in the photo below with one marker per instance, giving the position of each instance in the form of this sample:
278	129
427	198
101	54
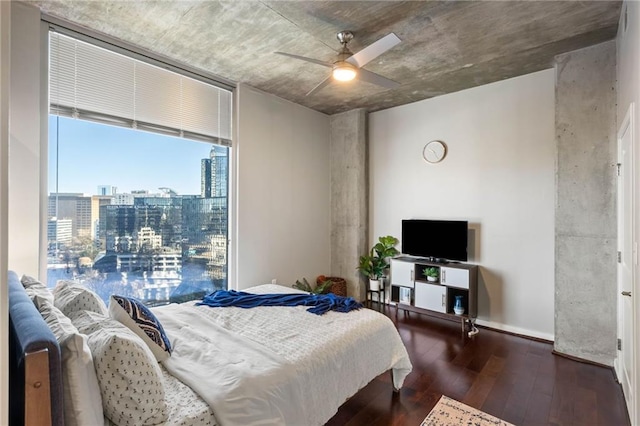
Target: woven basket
339	286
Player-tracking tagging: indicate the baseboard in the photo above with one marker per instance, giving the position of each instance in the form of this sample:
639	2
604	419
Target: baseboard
540	337
502	328
586	361
544	337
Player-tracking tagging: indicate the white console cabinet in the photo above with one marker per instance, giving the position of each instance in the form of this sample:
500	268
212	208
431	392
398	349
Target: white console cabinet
454	277
402	273
411	291
431	296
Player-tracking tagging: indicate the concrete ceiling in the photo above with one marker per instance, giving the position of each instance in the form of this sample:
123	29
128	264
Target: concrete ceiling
446	45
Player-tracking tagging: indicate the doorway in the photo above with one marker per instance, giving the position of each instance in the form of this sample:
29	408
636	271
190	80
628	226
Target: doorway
625	360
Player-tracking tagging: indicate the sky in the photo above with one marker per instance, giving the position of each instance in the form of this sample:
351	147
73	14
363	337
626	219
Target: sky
92	154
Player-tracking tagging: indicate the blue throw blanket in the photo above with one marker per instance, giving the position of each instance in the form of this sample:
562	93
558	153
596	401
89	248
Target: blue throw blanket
320	303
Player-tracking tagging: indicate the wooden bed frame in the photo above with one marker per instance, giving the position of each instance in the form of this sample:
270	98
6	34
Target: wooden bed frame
35	376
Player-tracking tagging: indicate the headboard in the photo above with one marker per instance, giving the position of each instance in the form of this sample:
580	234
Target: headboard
35	376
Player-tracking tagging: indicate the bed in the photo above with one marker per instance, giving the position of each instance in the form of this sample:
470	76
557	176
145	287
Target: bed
34	363
264	365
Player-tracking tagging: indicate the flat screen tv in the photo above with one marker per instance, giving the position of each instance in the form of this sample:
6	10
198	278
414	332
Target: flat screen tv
435	239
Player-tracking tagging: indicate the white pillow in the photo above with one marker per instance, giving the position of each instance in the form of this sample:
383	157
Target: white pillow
82	400
129	376
70	297
34	288
134	315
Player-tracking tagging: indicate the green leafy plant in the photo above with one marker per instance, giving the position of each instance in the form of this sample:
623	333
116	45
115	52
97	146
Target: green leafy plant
432	272
321	288
373	264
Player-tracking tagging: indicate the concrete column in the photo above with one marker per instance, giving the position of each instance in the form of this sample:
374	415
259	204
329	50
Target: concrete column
349	197
585	276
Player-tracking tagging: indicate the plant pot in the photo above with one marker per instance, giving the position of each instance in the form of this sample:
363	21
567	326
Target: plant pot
374	285
432	279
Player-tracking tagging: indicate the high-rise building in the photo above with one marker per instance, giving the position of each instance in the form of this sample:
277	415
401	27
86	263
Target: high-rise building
96	202
170	220
146	240
59	232
124	199
120	224
106	190
74	206
205	233
213	173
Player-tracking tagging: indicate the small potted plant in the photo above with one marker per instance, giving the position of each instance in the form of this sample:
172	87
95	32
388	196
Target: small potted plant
373	264
432	274
320	288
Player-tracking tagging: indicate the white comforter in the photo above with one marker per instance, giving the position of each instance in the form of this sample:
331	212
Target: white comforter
279	365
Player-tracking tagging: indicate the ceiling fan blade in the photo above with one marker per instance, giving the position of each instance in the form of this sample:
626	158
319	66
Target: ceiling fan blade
374	50
302	58
372	77
319	85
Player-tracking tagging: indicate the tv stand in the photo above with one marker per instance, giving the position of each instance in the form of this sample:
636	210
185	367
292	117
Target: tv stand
412	291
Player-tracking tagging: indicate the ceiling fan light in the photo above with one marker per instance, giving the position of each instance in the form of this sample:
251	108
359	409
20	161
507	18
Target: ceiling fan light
344	72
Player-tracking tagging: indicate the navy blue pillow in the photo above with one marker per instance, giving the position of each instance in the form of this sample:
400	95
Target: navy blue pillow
138	318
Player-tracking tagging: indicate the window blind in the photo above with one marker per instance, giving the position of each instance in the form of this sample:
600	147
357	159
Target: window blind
93	83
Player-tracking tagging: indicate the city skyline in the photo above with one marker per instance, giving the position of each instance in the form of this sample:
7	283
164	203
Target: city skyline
146	245
91	155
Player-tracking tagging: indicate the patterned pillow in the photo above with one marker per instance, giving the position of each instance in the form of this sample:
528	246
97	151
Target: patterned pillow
82	400
70	296
129	376
34	288
139	319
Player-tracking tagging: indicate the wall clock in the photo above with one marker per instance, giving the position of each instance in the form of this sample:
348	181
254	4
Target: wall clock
434	152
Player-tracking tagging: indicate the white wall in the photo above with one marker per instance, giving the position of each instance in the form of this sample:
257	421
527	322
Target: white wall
283	191
20	133
499	175
628	91
5	48
24	140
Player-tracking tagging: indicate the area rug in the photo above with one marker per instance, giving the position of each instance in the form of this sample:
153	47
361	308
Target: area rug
449	412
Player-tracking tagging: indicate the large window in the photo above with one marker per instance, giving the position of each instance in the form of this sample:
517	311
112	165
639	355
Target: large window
138	206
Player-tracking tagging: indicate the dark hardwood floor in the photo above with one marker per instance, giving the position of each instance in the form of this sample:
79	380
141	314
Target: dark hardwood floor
513	378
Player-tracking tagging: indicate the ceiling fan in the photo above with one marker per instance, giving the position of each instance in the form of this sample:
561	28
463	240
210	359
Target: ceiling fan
349	65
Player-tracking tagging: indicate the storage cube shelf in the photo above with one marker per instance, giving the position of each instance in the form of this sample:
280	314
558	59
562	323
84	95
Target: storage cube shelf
411	291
